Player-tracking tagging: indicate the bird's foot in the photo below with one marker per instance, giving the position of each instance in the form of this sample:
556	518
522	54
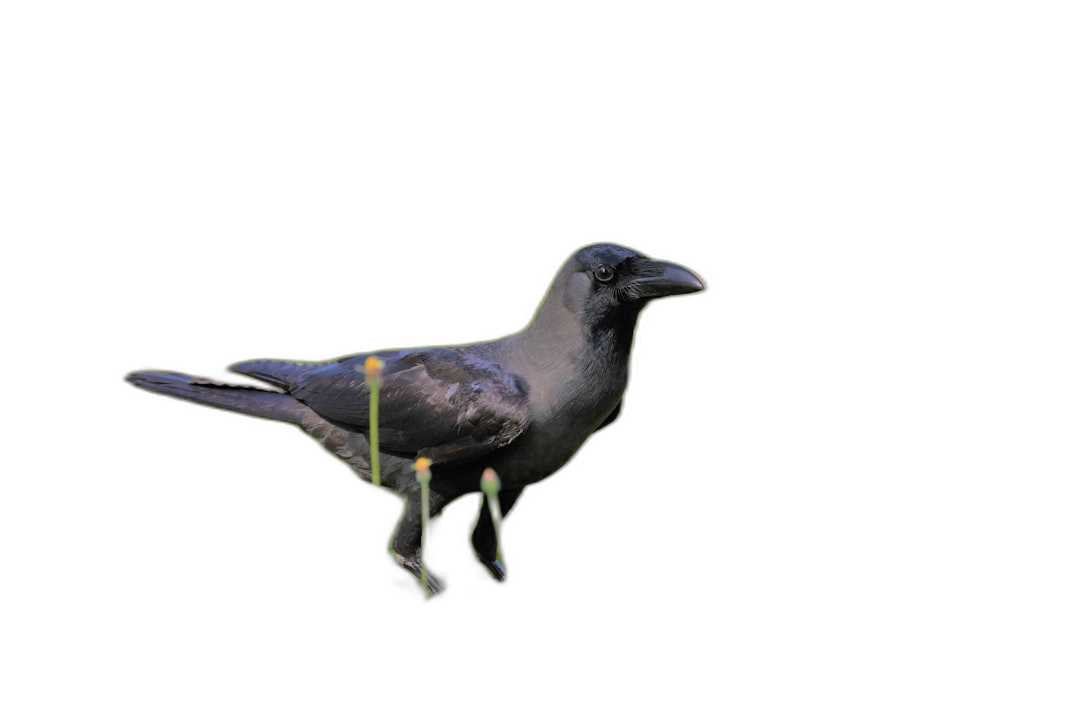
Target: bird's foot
416	568
497	570
496	567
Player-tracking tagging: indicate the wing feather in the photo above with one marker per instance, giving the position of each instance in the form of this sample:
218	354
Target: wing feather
447	404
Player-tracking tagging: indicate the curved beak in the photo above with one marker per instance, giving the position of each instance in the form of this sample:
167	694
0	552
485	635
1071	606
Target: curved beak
663	279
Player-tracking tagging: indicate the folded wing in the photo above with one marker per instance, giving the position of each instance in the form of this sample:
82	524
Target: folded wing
445	404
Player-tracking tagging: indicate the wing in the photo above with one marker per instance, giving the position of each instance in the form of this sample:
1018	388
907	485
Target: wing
446	404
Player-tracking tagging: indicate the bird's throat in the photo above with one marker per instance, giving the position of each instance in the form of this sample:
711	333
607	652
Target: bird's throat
575	368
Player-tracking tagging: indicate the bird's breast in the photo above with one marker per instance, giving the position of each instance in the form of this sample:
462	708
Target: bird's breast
557	431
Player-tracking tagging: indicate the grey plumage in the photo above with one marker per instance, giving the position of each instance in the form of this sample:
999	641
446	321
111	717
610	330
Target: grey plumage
522	405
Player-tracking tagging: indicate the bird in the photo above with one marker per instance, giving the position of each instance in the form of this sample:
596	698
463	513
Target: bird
521	405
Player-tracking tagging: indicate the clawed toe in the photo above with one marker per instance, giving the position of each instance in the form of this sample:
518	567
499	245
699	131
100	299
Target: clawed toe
495	567
416	568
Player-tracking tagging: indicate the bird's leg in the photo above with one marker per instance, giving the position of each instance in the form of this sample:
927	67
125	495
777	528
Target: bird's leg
483	536
406	542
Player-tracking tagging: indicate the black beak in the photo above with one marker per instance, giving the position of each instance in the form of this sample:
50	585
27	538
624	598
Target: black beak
663	279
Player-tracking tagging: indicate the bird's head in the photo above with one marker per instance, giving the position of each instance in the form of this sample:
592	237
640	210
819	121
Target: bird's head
598	295
607	285
606	280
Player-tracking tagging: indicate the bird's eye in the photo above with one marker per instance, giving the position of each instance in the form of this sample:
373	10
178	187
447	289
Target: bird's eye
603	273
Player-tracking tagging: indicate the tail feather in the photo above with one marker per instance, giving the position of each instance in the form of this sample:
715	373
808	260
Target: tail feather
237	398
280	373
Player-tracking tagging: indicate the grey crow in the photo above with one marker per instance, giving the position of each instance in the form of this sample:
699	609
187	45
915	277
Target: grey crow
522	405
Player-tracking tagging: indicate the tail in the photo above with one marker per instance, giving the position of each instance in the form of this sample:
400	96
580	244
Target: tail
237	398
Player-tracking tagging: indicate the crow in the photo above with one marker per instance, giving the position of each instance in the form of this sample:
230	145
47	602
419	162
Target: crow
521	405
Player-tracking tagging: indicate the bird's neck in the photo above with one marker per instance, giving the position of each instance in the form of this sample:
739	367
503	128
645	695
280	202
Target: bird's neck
575	361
